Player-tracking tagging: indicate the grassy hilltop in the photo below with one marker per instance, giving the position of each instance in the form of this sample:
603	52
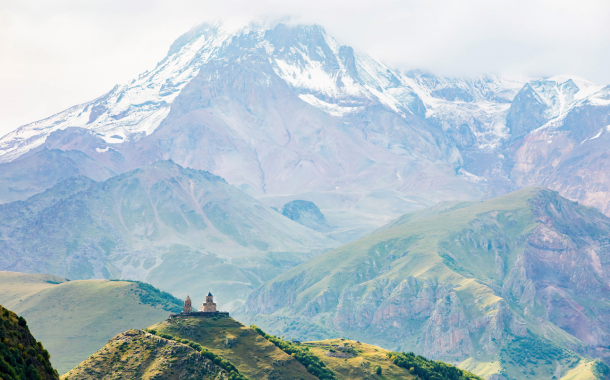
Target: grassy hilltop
73	319
252	354
258	355
137	354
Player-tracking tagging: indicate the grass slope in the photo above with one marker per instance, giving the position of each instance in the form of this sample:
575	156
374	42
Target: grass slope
74	319
349	359
136	354
362	365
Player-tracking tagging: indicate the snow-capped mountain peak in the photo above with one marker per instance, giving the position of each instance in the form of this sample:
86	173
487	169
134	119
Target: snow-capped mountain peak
130	109
330	77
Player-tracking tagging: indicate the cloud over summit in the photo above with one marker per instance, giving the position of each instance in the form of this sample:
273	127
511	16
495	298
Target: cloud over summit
60	53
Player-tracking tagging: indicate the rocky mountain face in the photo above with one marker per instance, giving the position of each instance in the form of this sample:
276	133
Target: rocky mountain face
564	149
183	230
471	283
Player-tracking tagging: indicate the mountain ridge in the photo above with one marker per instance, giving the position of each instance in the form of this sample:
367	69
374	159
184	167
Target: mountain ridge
461	283
284	112
144	224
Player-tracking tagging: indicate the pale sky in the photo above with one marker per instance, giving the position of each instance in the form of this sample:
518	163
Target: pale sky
58	53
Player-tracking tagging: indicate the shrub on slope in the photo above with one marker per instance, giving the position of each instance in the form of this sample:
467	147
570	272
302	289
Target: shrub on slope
21	356
149	295
429	369
314	365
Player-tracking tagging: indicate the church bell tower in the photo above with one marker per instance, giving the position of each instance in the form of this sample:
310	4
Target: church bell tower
209	306
187	305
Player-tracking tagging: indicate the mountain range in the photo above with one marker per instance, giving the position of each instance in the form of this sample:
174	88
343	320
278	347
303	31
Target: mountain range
284	112
184	230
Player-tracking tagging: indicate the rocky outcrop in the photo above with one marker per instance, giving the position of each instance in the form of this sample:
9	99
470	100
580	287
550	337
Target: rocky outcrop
307	214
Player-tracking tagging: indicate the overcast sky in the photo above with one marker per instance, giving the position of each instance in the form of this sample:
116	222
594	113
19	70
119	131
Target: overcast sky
57	53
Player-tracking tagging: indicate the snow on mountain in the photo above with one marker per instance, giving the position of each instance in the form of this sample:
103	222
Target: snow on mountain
479	103
332	77
279	109
131	109
561	94
326	75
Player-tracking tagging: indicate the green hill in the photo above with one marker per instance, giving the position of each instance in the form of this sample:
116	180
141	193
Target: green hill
182	230
253	355
347	359
21	356
169	350
74	319
513	286
136	354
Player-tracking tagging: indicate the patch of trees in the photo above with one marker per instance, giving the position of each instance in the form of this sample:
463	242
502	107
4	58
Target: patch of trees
21	356
216	359
530	349
600	369
429	369
314	365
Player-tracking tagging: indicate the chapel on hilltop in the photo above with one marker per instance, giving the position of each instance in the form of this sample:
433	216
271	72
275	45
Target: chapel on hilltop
208	308
187	305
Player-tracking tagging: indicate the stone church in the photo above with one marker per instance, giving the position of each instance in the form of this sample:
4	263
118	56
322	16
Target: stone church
208	306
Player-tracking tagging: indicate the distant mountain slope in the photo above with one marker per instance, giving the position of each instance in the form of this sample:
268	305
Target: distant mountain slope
307	214
21	356
74	319
27	176
477	283
136	354
184	230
